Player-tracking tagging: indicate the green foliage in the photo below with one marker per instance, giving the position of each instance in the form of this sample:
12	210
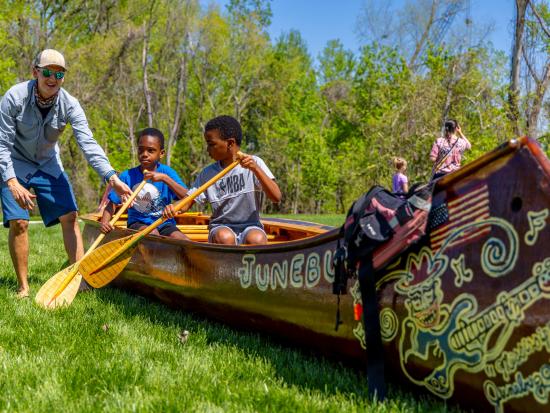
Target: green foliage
335	63
327	129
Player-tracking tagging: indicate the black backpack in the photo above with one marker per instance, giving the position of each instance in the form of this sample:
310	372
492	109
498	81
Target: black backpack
372	222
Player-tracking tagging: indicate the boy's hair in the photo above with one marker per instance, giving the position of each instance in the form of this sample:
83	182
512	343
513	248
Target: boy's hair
153	132
450	125
228	126
399	163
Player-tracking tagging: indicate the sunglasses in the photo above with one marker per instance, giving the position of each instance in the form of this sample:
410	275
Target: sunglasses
48	73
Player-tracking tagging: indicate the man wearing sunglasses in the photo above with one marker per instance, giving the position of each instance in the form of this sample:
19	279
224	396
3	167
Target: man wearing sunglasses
33	115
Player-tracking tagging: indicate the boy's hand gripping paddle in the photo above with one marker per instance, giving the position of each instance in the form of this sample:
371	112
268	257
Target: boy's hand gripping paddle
103	265
61	288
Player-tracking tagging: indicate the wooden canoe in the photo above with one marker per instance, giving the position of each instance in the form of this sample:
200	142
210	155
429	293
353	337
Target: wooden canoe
464	312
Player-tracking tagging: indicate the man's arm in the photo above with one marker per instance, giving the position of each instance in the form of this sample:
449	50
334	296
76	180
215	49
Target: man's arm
93	153
8	113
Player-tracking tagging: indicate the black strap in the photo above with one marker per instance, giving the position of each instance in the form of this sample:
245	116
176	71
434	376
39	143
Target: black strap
338	319
339	284
371	319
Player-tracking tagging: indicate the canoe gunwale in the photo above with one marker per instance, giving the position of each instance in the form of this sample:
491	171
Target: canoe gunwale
307	242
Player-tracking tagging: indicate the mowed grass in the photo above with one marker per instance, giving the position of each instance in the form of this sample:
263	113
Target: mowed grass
335	220
112	351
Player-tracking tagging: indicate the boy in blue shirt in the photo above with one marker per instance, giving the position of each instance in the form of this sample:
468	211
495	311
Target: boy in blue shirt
166	187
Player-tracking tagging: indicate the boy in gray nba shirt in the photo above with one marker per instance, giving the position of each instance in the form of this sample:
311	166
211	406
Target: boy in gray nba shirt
235	198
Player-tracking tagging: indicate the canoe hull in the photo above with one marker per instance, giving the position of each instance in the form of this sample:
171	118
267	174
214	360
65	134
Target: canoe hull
283	289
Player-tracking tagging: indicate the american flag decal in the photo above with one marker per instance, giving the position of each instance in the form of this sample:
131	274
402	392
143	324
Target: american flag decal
463	210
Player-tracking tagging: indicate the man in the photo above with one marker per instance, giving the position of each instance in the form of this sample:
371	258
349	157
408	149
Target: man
33	115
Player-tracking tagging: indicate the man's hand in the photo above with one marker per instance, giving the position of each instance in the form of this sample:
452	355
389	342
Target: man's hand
21	195
170	212
122	190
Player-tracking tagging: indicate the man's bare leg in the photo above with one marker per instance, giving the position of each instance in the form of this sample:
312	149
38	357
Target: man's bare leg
18	241
72	238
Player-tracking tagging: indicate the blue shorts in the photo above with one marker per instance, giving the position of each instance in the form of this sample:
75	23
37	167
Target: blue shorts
165	229
54	197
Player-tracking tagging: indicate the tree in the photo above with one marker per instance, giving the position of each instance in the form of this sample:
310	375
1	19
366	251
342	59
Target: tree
412	29
530	63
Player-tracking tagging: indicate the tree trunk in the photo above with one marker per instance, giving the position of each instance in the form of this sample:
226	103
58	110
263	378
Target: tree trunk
424	37
297	192
536	104
145	52
513	93
541	82
181	93
131	138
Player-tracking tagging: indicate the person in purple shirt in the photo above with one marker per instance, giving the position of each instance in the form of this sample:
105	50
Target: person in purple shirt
400	182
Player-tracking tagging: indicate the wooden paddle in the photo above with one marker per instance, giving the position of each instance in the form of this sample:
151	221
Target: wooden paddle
63	286
101	266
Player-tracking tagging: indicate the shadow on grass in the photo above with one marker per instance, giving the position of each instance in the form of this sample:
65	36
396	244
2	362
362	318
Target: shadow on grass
295	366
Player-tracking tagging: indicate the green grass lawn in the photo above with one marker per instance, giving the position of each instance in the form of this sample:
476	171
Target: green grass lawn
112	351
335	220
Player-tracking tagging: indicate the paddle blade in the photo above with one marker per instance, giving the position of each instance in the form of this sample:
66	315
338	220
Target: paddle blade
46	295
103	265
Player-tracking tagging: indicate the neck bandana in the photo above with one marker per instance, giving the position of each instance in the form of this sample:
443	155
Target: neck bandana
44	103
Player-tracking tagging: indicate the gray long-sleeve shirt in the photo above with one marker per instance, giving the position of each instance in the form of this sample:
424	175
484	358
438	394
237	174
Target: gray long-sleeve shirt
28	142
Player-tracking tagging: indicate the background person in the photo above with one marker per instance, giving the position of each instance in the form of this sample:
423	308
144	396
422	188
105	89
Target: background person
400	182
447	151
33	114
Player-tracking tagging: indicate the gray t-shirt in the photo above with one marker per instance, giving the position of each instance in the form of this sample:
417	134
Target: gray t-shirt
236	198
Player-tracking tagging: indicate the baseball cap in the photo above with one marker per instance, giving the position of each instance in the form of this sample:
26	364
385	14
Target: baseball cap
50	57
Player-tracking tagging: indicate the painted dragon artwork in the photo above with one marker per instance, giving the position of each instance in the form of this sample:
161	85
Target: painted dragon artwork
463	332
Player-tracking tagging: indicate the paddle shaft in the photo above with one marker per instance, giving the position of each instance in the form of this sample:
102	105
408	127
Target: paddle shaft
118	214
134	239
98	240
